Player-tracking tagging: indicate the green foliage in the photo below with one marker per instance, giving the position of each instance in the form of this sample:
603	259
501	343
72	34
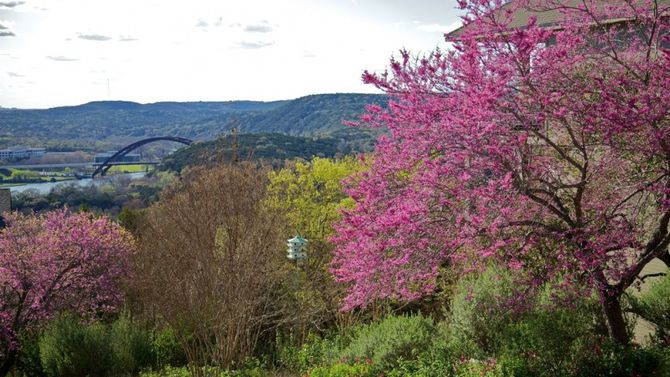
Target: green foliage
345	370
272	148
168	371
13	175
207	371
478	319
434	360
69	349
623	361
131	346
311	194
654	306
129	219
540	338
394	338
167	349
476	368
316	350
29	363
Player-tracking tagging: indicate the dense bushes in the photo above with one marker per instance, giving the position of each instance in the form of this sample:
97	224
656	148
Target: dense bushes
393	339
484	335
345	370
654	306
69	348
550	338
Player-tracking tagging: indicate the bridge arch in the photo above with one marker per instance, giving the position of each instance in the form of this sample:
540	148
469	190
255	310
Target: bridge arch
105	166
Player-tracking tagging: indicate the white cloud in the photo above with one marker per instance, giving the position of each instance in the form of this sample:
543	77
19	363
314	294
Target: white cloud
127	38
11	4
262	27
6	29
255	44
94	37
60	58
437	28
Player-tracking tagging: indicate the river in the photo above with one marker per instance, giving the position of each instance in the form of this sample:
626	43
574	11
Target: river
44	188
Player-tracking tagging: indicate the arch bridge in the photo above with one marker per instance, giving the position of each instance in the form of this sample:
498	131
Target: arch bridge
113	160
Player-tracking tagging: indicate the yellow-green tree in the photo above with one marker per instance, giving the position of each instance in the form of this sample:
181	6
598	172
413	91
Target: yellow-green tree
310	194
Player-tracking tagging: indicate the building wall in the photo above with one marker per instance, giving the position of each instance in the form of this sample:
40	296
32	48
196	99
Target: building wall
19	154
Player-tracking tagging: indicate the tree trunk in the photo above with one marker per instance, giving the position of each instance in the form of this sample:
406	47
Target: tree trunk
616	325
8	362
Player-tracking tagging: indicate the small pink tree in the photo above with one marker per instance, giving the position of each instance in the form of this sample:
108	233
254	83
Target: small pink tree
546	149
53	262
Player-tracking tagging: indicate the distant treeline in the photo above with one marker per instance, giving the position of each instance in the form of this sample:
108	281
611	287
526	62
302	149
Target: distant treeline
109	124
273	149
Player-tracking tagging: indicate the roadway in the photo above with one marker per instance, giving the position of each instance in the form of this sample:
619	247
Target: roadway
74	165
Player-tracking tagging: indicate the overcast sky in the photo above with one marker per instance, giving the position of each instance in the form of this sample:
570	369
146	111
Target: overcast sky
66	52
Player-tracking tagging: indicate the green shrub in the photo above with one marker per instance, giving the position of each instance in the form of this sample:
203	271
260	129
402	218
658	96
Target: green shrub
618	361
207	371
167	349
131	346
316	350
478	318
654	306
345	370
29	363
70	349
540	339
434	360
168	371
392	339
476	368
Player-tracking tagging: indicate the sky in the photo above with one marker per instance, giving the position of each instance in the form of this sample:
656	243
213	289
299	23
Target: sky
68	52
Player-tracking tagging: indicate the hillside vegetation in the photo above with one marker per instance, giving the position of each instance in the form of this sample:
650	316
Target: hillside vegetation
273	148
114	123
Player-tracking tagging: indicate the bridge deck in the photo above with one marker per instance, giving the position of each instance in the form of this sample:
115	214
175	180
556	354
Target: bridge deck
75	165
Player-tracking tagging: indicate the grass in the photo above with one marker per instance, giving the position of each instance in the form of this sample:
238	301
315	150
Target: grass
5	185
128	168
9	174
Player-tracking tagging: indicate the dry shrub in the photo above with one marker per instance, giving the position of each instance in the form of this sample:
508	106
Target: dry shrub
210	263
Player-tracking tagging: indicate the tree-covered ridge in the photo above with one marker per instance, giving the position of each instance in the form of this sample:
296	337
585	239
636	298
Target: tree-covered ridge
118	121
273	148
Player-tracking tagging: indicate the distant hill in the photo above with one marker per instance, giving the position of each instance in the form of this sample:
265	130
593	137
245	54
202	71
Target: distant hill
116	122
272	148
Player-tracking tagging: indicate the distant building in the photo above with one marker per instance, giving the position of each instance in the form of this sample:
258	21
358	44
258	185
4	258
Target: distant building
130	157
21	153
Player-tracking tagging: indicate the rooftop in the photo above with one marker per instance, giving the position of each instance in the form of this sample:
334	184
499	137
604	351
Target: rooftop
548	15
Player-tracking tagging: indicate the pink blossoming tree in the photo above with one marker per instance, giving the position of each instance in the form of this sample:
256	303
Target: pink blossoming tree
54	262
545	148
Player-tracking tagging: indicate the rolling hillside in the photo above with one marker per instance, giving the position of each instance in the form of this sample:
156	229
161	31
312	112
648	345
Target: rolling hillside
112	123
271	148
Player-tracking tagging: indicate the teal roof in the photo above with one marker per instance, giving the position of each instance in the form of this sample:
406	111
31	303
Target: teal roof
297	239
